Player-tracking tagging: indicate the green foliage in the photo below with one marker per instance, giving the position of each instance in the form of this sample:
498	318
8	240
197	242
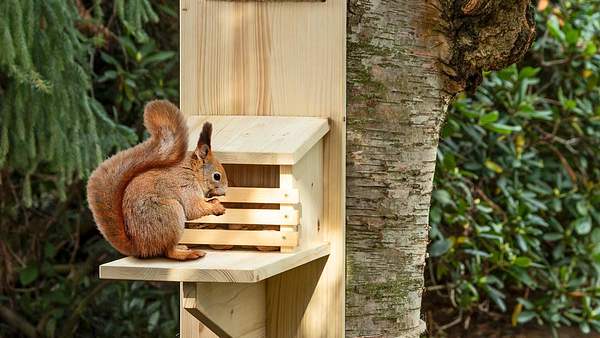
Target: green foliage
134	14
516	211
74	76
50	123
139	73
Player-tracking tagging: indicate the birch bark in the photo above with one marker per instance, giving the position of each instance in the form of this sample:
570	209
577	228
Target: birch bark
406	60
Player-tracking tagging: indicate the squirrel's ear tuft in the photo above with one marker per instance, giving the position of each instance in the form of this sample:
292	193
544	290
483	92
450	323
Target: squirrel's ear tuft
205	135
203	147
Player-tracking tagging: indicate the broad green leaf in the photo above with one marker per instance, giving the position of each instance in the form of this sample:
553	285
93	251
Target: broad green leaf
584	327
49	250
552	236
554	28
488	118
440	247
28	275
590	49
526	303
153	320
582	208
522	275
527	72
502	128
583	225
493	166
497	297
449	161
443	197
596	235
571	34
159	57
477	253
526	316
522	262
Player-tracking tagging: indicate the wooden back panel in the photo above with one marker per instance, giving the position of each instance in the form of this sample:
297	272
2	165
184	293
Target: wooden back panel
287	59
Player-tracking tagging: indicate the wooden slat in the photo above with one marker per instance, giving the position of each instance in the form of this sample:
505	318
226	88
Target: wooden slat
231	266
252	216
286	181
274	140
261	195
239	237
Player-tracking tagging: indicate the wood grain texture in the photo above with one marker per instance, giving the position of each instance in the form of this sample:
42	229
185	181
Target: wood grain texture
274	140
188	22
288	216
286	181
240	237
288	296
189	327
260	195
228	309
307	177
239	266
241	175
283	59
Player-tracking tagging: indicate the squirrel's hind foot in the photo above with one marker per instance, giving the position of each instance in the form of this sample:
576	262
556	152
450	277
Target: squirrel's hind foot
183	253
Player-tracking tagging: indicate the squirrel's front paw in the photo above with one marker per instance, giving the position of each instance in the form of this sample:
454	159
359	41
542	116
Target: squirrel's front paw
218	209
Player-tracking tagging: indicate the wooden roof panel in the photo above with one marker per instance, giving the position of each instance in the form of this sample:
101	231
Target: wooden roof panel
275	140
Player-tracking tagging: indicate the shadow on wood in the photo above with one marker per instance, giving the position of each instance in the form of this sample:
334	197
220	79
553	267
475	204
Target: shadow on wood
288	295
254	309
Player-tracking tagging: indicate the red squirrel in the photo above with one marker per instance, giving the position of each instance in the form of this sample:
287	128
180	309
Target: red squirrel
141	197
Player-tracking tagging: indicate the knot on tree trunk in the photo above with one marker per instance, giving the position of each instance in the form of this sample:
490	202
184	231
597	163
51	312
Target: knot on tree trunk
482	35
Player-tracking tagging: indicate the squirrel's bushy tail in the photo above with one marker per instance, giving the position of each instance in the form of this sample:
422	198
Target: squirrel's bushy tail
166	147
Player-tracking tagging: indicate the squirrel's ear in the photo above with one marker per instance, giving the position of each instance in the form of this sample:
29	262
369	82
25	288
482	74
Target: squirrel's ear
205	135
201	151
203	147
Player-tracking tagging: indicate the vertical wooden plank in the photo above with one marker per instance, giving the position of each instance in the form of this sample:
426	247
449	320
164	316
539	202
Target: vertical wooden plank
286	181
282	58
188	73
289	296
308	179
189	327
236	309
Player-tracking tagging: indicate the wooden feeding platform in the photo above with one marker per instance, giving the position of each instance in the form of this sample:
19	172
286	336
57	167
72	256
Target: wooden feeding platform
230	266
274	167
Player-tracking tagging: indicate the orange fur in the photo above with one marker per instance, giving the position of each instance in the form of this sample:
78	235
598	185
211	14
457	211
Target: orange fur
141	197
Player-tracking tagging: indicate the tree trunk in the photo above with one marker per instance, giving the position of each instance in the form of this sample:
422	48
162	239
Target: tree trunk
406	60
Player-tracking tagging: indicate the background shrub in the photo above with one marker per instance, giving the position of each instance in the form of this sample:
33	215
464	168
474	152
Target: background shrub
74	76
516	210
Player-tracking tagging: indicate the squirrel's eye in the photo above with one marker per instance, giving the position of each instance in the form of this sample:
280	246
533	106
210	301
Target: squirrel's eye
216	176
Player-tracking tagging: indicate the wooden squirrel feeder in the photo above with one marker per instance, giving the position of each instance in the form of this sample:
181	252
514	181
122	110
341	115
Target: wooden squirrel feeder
274	164
270	76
